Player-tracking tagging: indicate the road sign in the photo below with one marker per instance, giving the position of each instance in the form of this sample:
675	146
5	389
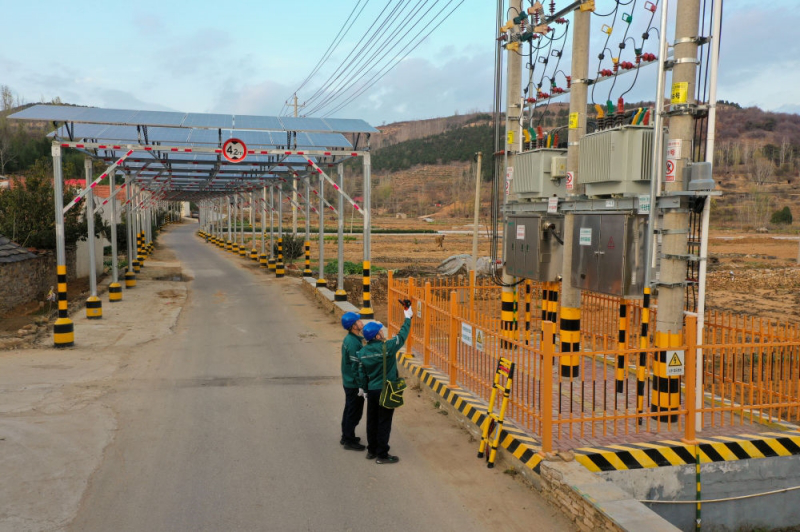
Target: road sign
675	363
670	177
234	150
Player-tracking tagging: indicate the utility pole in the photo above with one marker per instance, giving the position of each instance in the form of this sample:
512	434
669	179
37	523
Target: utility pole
671	284
294	190
513	146
570	328
479	156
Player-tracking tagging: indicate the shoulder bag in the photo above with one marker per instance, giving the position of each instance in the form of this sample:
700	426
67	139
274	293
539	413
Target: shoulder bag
392	391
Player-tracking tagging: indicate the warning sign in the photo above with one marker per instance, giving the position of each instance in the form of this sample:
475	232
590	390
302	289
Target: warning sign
479	339
585	236
570	180
680	93
520	232
573	120
466	334
675	363
670	176
611	242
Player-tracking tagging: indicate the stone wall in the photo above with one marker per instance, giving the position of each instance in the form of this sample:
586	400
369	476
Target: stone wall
30	280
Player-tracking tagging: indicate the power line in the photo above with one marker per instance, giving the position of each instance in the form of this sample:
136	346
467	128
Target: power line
391	65
333	46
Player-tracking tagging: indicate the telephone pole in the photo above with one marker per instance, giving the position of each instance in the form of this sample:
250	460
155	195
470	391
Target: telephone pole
571	297
513	146
672	281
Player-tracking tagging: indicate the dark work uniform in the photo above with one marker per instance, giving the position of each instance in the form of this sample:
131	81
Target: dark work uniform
370	378
353	404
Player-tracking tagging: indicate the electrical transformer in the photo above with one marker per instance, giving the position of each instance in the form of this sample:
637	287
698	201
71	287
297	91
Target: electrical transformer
608	254
617	162
534	246
540	173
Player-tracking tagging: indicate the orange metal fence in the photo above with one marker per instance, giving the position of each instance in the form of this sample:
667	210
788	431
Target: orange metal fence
750	370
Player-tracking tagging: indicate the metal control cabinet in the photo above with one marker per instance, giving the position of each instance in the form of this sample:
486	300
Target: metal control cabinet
538	174
617	162
532	249
608	253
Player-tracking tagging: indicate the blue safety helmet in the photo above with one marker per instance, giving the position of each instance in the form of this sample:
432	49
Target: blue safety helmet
371	330
349	319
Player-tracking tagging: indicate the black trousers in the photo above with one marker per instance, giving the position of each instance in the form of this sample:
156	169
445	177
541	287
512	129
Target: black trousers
379	425
353	410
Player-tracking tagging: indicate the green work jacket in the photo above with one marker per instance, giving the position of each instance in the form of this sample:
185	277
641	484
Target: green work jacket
350	347
370	359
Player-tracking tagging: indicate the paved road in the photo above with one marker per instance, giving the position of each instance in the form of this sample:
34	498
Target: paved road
232	424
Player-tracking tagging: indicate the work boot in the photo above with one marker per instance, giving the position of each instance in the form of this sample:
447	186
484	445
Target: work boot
388	459
354	446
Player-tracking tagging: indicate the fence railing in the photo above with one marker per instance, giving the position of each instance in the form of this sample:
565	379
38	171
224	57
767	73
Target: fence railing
749	370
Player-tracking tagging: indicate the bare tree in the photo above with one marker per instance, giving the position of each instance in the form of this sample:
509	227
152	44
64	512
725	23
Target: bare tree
785	153
7	153
761	170
6	98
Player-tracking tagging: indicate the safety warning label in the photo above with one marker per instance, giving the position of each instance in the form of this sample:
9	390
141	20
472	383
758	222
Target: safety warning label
675	365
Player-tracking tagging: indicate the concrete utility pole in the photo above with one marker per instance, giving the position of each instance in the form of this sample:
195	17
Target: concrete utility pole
477	212
571	297
513	146
671	285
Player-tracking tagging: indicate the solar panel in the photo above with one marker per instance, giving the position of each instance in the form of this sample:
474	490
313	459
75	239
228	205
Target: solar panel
107	116
326	140
257	122
58	113
349	125
158	118
294	123
208	121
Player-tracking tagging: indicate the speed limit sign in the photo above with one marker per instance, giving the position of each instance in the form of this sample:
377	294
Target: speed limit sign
234	150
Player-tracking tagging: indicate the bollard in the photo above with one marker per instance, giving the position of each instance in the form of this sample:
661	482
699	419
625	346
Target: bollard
130	280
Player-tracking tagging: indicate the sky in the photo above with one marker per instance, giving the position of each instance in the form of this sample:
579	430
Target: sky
249	57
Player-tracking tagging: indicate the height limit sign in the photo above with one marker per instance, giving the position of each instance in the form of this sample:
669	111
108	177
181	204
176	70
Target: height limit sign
234	150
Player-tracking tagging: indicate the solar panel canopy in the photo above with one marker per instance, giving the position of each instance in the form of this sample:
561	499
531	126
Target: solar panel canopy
186	175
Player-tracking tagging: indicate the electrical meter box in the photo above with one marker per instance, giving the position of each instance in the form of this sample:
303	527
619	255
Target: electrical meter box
534	246
540	174
608	253
617	162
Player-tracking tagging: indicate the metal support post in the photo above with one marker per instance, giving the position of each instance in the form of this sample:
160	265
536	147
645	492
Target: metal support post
253	252
262	257
242	249
114	289
321	282
340	294
366	310
130	275
271	263
94	307
63	330
307	270
279	266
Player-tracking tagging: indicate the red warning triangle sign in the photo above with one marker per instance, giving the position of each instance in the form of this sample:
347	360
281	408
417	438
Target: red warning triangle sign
611	243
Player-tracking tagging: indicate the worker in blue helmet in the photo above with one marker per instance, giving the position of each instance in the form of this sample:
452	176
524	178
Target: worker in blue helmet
353	397
370	378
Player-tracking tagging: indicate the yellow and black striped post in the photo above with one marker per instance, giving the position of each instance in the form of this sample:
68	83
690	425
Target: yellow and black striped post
63	330
94	308
570	342
507	323
262	260
307	270
643	344
228	246
140	252
340	295
527	312
130	280
552	303
253	254
114	292
242	250
271	264
666	393
366	297
545	301
235	248
622	345
279	271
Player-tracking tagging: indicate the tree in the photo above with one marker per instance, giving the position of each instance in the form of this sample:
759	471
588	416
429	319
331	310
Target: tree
783	216
761	170
7	152
27	211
